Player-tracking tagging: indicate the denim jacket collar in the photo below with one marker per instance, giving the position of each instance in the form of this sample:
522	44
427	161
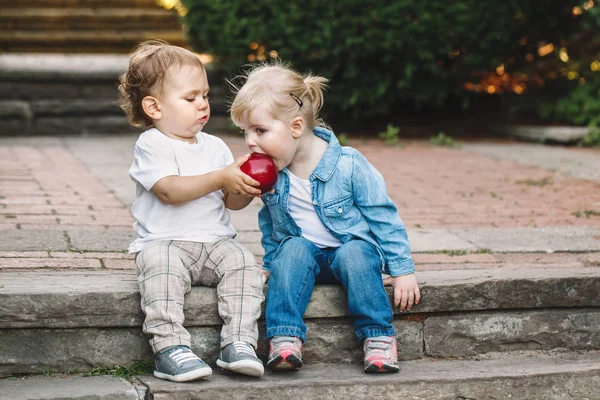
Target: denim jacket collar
330	159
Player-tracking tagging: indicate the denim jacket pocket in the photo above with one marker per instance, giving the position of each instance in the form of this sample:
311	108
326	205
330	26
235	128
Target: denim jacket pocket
271	200
341	214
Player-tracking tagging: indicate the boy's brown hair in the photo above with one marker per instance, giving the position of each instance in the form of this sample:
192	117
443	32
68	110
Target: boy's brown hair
148	69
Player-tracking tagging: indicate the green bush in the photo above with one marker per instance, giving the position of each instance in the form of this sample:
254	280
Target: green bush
381	56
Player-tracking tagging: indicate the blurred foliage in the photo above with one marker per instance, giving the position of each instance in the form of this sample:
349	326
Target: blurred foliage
572	93
391	135
592	139
384	56
443	140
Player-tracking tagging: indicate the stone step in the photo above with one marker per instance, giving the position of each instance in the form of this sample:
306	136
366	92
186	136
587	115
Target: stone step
88	19
99	41
80	3
52	94
463	313
559	376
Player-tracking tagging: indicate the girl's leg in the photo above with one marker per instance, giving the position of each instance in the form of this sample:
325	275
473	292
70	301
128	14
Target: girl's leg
163	281
291	283
356	264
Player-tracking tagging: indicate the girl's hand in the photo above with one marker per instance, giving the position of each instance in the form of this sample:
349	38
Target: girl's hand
406	291
234	181
267	274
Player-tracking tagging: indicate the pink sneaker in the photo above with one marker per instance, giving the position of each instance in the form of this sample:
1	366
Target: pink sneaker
381	354
285	353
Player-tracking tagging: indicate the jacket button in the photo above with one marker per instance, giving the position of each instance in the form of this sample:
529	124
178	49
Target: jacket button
339	210
315	202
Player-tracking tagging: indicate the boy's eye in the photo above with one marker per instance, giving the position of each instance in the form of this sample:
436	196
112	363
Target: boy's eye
191	99
205	97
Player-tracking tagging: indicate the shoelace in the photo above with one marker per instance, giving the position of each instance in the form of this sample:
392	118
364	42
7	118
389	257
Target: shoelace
243	347
181	356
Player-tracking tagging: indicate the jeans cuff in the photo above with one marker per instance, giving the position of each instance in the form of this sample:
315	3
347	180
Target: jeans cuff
287	331
372	332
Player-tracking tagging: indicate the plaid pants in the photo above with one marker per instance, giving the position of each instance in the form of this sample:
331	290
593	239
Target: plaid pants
167	269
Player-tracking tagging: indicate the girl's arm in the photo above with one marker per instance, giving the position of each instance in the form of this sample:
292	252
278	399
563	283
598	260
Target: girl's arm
265	223
371	198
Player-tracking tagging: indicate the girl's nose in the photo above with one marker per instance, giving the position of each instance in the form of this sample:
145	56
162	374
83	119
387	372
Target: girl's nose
250	142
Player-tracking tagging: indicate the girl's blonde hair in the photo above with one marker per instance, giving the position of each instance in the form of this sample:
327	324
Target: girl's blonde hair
147	72
286	92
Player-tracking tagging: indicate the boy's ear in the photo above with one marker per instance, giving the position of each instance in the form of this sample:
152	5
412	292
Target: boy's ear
151	107
297	127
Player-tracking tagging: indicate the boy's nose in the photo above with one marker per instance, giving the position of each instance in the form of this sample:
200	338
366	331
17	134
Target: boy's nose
202	104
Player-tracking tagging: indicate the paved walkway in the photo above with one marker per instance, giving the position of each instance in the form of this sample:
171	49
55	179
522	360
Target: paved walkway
64	203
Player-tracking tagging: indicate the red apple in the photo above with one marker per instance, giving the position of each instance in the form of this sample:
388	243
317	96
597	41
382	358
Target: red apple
262	168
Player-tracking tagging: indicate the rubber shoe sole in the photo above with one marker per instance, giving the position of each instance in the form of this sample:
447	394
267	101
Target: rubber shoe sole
187	376
246	367
285	361
380	366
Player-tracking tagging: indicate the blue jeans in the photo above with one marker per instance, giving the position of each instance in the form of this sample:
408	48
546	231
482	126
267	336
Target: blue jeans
298	264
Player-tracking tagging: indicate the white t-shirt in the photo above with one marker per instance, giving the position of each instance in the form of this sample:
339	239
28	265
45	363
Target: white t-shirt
202	220
304	214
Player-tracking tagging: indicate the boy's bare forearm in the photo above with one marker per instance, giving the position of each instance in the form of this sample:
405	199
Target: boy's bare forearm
181	189
237	201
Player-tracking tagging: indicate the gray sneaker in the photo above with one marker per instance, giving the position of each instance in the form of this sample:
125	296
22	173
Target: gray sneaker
240	357
179	364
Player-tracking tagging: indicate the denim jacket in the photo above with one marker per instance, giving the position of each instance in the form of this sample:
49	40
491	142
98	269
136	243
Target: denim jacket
350	199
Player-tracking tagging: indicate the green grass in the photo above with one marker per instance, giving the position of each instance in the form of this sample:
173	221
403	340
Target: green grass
125	372
536	182
592	139
586	213
391	135
454	253
444	140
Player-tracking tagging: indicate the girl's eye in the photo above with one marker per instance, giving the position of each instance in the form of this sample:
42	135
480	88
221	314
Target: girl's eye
191	100
260	131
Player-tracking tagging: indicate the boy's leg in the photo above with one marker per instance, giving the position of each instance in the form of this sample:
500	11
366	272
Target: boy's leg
163	280
240	295
291	282
239	284
356	264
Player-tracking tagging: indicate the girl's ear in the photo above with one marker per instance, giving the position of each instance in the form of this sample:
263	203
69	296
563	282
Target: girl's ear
297	127
151	107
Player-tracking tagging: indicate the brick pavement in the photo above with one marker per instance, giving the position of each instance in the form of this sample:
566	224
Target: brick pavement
46	186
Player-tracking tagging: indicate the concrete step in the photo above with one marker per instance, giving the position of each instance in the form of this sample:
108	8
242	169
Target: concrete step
559	376
463	313
80	3
58	94
99	41
88	19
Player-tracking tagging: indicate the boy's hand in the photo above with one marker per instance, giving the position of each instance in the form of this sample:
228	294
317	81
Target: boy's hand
235	181
406	291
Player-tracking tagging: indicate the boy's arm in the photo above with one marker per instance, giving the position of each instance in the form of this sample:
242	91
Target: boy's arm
175	189
236	201
382	215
